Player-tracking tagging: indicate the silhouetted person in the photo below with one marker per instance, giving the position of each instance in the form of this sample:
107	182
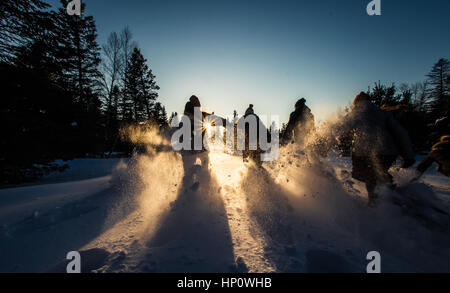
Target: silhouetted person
193	103
249	110
440	153
255	154
377	141
301	123
190	156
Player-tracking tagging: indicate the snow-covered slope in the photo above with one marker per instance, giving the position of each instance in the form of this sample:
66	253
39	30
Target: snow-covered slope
160	213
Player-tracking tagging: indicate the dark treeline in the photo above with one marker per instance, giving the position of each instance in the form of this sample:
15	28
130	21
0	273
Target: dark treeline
422	108
64	95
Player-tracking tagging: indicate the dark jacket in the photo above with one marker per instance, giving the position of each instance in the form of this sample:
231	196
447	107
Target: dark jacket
301	123
189	111
243	131
376	133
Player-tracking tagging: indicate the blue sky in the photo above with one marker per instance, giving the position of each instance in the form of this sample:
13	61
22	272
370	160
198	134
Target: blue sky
269	53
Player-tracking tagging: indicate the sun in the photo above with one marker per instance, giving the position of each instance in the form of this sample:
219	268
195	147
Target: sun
208	127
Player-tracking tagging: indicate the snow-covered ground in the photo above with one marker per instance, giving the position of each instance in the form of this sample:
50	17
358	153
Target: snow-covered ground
160	213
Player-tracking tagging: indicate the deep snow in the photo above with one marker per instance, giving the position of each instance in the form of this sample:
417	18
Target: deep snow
153	213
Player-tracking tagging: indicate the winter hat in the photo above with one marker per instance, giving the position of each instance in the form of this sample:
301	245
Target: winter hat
195	101
249	110
300	103
361	97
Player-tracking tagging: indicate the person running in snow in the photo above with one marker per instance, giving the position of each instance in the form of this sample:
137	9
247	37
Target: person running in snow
440	153
301	123
249	152
191	156
189	110
377	141
249	110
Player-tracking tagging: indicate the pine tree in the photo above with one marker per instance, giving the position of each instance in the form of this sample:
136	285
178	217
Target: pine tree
79	55
140	89
383	95
439	87
163	116
19	20
159	114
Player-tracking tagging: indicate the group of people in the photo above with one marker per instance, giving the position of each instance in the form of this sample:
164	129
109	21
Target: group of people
377	141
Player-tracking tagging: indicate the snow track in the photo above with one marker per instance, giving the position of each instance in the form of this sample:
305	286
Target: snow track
248	239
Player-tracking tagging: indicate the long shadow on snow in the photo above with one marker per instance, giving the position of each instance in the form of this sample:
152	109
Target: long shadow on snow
269	208
194	236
